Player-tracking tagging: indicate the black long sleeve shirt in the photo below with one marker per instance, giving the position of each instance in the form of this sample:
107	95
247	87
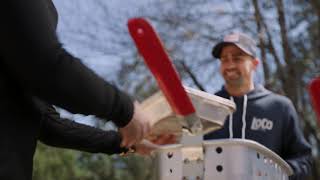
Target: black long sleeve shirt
65	133
34	63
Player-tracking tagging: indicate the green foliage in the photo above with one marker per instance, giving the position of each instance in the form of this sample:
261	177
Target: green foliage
53	163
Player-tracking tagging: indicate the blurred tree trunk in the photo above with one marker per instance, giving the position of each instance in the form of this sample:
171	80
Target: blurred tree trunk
291	83
316	7
261	35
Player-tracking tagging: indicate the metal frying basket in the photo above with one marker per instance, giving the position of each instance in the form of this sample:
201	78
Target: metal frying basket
243	160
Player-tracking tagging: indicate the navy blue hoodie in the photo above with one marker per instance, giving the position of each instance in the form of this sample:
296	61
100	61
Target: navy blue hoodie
271	120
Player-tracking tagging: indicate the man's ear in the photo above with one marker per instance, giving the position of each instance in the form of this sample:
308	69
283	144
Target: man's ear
255	62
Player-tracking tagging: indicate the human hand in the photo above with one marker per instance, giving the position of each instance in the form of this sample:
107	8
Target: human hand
163	139
137	129
147	146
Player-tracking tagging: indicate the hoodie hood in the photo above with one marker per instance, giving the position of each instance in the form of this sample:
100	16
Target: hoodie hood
258	92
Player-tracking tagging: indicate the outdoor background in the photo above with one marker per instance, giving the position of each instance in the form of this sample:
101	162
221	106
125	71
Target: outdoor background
287	31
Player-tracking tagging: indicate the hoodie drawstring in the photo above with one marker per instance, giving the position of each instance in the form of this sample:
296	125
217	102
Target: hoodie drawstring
230	122
244	112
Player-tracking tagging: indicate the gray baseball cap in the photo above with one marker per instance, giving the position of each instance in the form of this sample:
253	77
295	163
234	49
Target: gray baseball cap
243	41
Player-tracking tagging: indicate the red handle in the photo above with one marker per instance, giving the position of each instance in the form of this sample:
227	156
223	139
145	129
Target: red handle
151	48
314	90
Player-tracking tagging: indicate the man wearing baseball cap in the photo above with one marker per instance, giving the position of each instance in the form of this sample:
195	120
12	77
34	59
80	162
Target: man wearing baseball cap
261	115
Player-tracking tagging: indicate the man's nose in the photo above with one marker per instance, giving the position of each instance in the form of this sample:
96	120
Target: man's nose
230	60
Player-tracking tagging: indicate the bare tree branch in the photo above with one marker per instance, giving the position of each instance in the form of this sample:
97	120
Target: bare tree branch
193	77
284	34
261	33
316	6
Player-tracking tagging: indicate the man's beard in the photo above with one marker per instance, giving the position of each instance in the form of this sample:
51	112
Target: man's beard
235	83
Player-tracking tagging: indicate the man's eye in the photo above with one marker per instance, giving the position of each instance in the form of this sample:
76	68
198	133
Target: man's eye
223	60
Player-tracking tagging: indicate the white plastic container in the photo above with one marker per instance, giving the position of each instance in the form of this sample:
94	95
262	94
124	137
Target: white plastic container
210	109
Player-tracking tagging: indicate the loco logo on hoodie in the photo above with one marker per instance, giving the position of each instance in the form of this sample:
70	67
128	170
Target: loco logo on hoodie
261	124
